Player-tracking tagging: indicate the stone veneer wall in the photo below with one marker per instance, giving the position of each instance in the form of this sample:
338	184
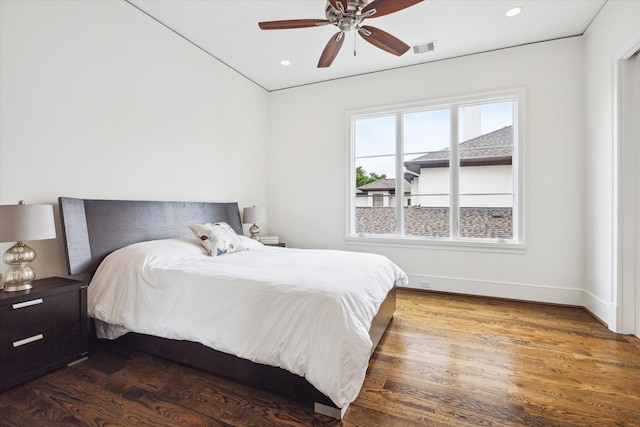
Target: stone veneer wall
474	222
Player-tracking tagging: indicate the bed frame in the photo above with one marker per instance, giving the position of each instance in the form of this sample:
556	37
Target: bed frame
94	228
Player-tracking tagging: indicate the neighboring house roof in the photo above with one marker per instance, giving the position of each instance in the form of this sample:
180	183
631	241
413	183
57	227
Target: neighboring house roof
381	184
493	148
385	184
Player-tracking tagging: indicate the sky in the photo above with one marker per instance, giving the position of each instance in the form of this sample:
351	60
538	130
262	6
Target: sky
424	131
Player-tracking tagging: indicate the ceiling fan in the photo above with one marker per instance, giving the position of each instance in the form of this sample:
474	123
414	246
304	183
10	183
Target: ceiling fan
348	15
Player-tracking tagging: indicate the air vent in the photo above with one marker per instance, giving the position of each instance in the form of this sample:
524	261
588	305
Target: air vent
424	47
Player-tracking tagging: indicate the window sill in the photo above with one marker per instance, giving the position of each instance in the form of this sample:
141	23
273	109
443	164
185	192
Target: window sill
484	245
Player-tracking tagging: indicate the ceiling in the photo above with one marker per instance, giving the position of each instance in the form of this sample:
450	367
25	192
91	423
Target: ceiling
228	31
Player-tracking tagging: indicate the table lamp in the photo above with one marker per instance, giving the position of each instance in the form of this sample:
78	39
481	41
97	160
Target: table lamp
19	223
254	215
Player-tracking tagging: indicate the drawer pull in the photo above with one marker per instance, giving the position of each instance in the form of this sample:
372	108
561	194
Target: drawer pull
28	340
27	303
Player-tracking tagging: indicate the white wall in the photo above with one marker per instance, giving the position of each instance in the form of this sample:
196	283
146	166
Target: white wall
99	101
308	163
615	30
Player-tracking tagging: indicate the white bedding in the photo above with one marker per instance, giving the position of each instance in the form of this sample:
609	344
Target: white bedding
307	311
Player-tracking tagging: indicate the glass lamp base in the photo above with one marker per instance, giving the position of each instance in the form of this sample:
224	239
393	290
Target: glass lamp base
19	275
254	231
15	288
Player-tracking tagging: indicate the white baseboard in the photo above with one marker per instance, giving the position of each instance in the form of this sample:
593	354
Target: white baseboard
517	291
602	310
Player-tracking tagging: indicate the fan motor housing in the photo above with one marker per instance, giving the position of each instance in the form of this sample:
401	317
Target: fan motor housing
350	18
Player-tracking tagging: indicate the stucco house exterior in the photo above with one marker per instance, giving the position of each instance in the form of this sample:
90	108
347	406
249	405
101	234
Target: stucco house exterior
486	175
379	193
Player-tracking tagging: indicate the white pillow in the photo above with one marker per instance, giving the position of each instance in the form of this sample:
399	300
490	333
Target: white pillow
251	243
218	238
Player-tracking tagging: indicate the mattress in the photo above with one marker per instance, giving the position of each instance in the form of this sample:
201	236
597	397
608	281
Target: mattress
306	311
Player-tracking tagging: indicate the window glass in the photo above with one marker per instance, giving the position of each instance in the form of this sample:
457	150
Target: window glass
485	152
375	172
375	136
426	183
446	170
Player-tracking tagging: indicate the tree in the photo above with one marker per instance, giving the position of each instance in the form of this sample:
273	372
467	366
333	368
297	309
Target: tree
363	179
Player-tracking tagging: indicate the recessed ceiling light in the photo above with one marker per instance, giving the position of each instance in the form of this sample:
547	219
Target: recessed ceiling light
285	62
513	12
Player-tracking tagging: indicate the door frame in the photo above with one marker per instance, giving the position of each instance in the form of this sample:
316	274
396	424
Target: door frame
626	225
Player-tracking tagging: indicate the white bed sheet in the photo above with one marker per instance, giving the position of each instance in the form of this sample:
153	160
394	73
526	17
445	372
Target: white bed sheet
307	311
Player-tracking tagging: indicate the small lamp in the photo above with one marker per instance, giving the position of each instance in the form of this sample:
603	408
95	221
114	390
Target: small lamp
254	215
18	223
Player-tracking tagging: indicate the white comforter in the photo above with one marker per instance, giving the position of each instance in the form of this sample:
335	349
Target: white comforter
307	311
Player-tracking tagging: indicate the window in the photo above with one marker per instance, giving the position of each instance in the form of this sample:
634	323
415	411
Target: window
441	171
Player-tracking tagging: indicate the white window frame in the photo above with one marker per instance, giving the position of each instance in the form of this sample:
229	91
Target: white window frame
516	244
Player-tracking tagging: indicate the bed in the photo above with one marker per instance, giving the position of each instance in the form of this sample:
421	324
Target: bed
102	237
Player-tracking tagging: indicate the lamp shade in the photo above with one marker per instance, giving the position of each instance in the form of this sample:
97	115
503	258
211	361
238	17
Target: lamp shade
26	222
253	215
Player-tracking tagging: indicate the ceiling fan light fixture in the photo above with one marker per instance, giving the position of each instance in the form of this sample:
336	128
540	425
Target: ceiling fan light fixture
514	11
348	15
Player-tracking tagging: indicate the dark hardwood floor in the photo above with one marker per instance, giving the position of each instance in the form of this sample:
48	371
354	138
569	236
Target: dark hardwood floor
446	360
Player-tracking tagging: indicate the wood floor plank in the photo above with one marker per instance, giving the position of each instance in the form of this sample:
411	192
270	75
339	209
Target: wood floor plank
446	360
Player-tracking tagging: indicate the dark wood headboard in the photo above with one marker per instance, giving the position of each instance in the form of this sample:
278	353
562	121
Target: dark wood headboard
92	229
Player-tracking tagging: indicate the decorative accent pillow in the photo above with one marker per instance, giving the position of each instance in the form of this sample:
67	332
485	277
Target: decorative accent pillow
218	238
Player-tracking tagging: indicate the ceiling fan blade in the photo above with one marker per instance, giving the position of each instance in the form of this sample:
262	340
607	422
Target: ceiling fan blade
331	50
385	7
292	23
383	40
334	3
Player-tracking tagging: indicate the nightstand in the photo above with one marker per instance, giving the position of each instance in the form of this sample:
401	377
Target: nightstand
42	329
281	245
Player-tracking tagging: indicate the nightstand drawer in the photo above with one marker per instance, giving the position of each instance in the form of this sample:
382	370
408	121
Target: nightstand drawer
32	316
40	351
42	329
